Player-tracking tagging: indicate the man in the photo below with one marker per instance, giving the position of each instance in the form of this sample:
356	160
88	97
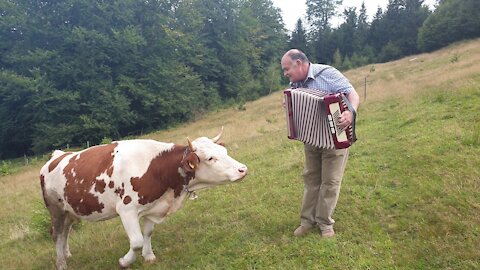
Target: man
323	171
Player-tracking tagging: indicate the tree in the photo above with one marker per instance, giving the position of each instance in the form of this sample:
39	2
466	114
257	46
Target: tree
453	20
319	14
378	31
263	31
80	70
393	33
337	59
298	39
414	15
17	121
347	32
362	29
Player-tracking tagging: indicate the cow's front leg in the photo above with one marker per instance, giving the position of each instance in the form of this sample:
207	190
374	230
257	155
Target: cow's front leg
132	227
147	251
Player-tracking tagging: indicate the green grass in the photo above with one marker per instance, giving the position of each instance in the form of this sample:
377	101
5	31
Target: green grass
410	197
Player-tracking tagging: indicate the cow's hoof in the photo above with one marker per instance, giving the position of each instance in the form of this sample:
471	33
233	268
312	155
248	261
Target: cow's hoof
61	266
68	254
123	263
150	258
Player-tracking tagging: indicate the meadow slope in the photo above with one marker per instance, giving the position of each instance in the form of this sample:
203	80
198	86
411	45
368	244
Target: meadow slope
410	198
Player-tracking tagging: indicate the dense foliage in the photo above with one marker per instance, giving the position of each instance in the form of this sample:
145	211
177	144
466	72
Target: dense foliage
405	27
81	70
453	20
73	71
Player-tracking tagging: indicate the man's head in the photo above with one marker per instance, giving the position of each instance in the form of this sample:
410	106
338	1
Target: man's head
295	65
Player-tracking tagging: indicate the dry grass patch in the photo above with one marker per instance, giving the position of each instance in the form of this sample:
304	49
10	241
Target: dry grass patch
410	76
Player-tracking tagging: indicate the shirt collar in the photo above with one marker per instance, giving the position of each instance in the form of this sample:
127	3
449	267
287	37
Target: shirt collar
310	74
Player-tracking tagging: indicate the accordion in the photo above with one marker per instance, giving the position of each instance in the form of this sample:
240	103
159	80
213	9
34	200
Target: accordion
313	115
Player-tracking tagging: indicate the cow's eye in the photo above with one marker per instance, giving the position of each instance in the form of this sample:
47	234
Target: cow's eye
211	159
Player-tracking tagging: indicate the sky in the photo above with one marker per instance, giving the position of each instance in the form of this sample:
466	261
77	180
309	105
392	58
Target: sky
292	10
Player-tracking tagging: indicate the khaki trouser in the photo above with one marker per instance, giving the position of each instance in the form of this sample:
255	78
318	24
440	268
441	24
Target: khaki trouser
322	177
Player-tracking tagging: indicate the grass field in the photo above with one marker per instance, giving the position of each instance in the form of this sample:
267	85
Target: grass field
410	197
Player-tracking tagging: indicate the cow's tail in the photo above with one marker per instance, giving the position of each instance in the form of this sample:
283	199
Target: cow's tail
57	153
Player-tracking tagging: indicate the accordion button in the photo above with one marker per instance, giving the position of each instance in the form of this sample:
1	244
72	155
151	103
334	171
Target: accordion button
333	130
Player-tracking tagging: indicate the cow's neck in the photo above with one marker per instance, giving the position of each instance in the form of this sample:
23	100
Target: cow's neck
187	178
186	175
194	185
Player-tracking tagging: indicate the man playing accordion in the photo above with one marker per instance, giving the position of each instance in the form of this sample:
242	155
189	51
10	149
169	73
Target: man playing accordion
324	167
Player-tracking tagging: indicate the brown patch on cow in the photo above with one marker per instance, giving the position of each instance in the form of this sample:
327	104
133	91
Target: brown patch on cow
111	184
110	171
120	192
42	181
100	186
127	200
82	172
162	174
54	163
42	184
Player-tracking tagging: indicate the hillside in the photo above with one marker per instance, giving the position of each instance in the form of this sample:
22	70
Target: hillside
410	197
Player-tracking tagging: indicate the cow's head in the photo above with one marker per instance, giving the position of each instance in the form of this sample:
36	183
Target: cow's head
214	166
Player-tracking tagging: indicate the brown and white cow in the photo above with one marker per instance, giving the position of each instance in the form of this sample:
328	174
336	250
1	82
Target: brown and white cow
130	179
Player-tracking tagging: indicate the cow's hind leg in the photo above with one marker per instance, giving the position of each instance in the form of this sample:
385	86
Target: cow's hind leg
147	251
67	226
59	220
132	227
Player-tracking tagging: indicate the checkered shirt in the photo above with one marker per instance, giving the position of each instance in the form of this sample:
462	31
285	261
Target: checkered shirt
326	78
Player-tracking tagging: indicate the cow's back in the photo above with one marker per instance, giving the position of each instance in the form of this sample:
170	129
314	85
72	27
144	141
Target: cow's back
91	183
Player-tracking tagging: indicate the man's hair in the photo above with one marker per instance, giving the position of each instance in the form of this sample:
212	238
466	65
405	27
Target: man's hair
295	54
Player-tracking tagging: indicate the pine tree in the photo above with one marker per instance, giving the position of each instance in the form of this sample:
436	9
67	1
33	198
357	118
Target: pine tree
298	39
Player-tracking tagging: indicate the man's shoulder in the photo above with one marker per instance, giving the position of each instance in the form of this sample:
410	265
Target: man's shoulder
318	68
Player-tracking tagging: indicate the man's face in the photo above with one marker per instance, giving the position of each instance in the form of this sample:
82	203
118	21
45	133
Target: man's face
292	69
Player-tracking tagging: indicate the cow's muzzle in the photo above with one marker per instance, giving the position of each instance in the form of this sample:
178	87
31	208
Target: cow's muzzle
242	171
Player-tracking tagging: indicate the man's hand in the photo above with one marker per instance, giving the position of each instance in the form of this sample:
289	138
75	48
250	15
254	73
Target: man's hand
345	120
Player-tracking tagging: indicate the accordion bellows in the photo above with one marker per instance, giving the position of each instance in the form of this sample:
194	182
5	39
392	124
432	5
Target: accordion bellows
313	115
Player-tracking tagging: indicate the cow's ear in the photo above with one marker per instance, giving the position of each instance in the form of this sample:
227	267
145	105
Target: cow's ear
190	162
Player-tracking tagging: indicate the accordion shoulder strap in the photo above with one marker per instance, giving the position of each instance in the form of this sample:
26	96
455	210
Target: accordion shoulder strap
324	67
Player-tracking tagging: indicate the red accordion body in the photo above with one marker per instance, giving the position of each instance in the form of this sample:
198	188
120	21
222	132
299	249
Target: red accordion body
313	115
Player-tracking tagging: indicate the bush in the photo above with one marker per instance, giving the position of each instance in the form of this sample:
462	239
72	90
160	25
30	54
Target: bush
40	222
106	140
5	168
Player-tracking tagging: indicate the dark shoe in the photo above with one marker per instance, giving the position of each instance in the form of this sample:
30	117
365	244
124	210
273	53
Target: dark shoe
328	233
301	230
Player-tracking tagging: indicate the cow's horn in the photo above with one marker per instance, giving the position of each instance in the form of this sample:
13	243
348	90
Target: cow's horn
216	138
190	145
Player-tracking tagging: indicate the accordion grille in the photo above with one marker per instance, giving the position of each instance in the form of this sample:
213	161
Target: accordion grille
310	119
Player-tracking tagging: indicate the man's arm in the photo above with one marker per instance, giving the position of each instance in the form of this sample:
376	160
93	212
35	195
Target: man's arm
346	118
354	99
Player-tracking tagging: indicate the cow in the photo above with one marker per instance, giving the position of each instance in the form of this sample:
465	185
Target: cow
133	179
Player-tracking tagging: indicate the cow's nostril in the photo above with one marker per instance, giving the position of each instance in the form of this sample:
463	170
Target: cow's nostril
242	170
